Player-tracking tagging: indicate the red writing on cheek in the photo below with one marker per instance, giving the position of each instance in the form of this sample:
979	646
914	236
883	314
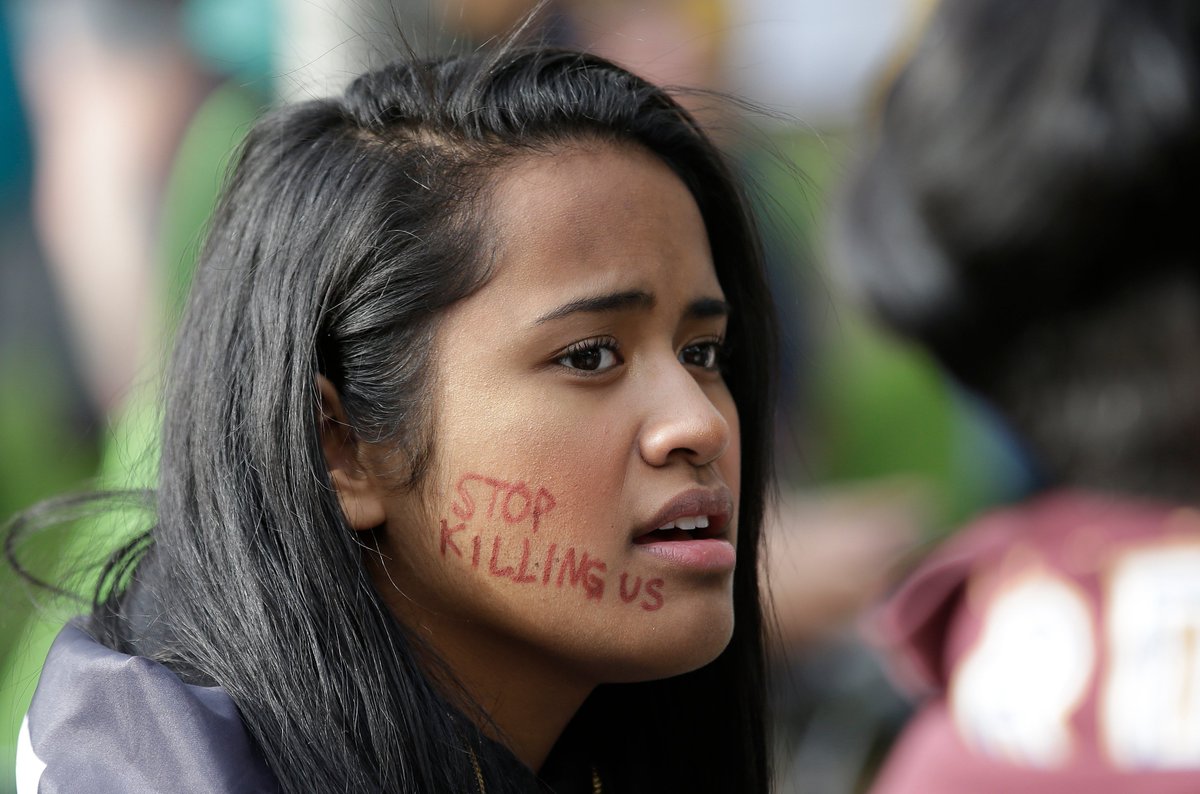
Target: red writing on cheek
548	568
502	572
593	585
517	501
654	598
522	574
448	538
628	595
576	568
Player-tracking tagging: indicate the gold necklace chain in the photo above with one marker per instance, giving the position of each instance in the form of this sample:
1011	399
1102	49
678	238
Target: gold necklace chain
478	771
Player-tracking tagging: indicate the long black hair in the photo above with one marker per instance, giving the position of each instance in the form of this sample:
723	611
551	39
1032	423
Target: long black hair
1027	211
347	226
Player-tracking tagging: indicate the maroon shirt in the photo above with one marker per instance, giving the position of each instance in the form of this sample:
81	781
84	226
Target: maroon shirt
1058	643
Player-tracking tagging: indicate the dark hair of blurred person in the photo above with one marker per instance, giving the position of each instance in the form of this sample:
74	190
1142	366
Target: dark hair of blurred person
1027	212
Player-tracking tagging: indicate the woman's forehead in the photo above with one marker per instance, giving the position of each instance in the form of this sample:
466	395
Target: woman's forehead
607	215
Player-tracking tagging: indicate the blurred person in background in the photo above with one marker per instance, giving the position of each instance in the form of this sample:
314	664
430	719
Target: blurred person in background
47	437
672	43
1027	212
134	107
113	87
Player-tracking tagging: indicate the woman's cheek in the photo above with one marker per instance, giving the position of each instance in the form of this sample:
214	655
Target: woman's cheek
521	533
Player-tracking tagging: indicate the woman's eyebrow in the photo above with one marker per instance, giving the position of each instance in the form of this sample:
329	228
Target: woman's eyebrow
633	299
611	302
707	307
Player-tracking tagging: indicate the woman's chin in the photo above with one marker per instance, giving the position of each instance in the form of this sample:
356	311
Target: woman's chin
672	648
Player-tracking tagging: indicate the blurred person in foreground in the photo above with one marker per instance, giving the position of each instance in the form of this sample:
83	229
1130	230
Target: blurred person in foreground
1028	213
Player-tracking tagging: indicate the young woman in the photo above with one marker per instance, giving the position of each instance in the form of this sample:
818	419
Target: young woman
463	466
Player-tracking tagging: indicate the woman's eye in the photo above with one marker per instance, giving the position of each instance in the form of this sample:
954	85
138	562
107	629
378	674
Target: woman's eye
591	356
706	355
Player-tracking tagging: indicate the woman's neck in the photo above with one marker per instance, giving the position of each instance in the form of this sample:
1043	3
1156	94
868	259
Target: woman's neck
527	698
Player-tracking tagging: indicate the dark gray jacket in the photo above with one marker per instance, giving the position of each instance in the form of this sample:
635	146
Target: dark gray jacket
103	722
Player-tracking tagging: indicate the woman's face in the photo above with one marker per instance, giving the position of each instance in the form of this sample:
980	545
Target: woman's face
578	408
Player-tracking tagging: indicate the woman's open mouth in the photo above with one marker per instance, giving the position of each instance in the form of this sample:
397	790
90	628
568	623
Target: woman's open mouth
683	528
690	531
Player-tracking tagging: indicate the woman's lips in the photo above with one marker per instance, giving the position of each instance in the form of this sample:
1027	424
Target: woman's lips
701	554
694	533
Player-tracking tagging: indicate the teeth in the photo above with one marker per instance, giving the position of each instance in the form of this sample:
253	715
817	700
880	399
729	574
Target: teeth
687	523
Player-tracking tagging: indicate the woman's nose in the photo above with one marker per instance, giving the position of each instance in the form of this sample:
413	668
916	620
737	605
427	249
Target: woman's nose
682	422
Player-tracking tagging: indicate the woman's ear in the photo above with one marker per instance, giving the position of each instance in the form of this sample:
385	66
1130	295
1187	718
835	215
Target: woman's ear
359	492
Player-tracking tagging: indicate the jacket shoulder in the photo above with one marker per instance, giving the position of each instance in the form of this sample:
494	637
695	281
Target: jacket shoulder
103	721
